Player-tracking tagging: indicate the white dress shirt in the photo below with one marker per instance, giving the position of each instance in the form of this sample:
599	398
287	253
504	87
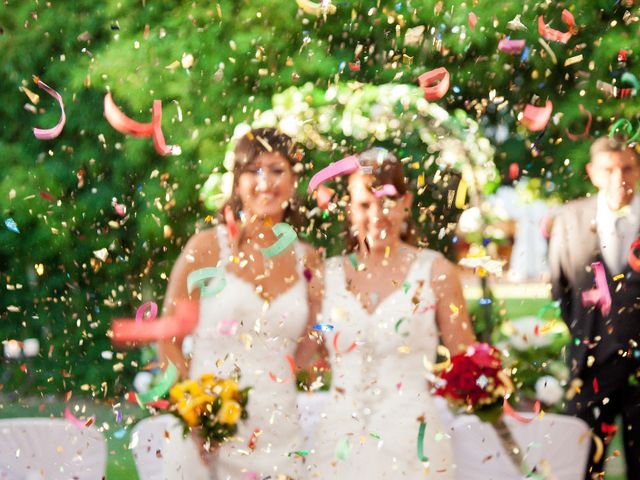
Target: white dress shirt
617	231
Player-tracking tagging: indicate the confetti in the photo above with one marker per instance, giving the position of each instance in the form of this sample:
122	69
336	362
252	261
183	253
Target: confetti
513	47
158	137
461	194
230	222
153	311
351	348
292	368
599	296
440	366
554	35
199	278
123	124
323	327
342	449
168	379
536	118
585	134
76	421
323	196
421	456
345	166
512	413
227	327
314	8
50	133
387	190
286	237
435	83
184	320
11	224
634	261
625	124
472	19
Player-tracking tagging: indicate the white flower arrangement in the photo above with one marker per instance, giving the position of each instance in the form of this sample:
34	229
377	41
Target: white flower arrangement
319	118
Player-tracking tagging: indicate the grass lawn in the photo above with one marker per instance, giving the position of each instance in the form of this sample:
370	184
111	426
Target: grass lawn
120	464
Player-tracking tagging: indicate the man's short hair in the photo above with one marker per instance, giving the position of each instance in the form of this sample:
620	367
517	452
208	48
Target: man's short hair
612	145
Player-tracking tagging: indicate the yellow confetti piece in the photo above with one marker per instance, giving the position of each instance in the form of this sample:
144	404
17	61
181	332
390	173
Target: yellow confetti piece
33	97
173	65
547	327
573	60
421	181
440	366
599	446
618	277
461	194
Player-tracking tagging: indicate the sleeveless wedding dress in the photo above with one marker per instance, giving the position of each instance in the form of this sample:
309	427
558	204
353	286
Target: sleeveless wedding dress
378	398
239	333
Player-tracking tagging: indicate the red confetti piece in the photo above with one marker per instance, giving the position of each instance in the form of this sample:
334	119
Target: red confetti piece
472	19
513	414
230	222
323	196
253	440
335	345
435	83
50	133
47	196
158	137
354	67
596	387
536	330
159	404
123	124
553	35
292	367
634	261
585	134
514	171
536	118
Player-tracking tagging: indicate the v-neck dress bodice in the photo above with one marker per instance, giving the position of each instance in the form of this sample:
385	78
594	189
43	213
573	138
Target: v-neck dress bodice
241	334
379	389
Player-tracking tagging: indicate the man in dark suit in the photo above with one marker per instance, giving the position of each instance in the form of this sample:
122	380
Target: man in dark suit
604	354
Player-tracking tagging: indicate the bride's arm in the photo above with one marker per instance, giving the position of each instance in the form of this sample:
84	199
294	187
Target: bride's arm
452	315
311	346
200	251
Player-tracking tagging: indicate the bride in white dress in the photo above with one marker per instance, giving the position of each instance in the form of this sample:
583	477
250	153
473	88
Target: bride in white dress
251	326
389	306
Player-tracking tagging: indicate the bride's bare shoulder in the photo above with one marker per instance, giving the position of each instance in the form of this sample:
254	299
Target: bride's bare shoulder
202	247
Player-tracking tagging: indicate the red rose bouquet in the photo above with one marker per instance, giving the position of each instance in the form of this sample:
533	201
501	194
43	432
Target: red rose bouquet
474	381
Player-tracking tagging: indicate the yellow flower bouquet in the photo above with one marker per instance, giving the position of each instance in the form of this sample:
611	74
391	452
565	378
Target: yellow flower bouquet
213	405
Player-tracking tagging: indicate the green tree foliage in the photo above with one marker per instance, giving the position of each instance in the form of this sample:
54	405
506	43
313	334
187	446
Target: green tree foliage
243	52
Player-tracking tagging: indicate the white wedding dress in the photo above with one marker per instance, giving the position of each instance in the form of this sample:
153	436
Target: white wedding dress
369	426
240	333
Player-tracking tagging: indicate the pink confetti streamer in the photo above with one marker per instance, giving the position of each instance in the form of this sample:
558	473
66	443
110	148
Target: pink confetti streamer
513	47
76	421
554	35
599	296
153	311
472	19
345	166
292	367
50	133
387	190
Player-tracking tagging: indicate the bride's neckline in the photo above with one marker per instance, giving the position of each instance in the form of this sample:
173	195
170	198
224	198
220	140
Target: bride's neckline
381	301
253	287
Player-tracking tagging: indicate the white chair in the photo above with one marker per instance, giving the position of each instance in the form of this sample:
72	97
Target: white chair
162	453
558	444
51	449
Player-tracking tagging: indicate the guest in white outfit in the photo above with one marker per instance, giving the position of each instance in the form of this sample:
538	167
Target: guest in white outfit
261	315
390	305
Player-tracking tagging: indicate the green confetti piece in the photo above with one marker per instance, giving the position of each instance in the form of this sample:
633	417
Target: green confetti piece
375	435
199	278
286	236
626	125
406	286
342	449
161	389
302	453
421	456
354	260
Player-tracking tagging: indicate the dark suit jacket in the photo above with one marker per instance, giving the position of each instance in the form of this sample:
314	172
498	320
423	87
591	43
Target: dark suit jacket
574	246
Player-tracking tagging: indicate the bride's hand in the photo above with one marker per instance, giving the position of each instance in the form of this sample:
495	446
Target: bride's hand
205	455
